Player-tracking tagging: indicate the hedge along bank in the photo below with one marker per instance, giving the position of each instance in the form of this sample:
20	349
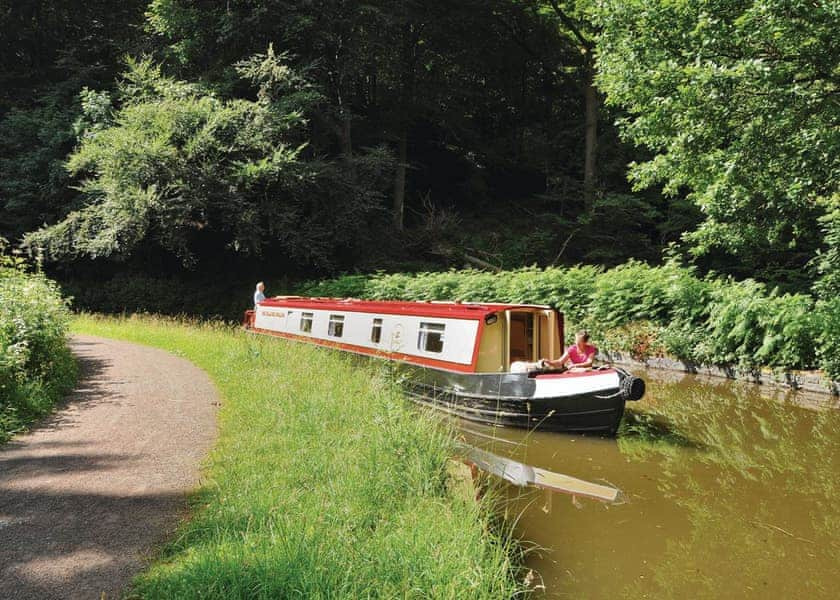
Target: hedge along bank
642	310
36	367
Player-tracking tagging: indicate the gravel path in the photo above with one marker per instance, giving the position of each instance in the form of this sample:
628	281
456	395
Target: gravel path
87	495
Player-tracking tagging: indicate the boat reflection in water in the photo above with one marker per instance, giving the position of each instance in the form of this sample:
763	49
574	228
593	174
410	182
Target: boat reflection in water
522	475
731	492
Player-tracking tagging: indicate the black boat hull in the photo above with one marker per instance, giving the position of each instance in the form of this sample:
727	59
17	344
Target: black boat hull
513	400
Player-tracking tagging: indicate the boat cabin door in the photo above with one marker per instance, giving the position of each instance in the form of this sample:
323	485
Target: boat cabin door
549	340
521	339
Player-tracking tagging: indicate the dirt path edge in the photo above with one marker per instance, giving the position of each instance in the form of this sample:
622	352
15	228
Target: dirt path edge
87	496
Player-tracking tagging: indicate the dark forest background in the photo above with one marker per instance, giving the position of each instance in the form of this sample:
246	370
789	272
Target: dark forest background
176	151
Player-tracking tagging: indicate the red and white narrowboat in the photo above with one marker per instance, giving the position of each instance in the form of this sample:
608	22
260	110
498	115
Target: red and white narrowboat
458	357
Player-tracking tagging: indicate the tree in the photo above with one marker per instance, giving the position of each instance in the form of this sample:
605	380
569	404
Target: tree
34	141
177	166
577	29
344	46
480	110
487	80
48	52
738	101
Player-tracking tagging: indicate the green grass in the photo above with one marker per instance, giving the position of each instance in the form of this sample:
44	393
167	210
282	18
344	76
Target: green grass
324	482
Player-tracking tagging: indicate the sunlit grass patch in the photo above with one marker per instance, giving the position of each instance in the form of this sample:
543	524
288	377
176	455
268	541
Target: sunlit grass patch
323	482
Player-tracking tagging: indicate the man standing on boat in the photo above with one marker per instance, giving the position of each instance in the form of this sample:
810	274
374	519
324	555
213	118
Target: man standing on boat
578	356
259	294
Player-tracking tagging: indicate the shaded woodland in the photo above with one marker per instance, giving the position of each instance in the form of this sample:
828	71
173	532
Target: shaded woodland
152	146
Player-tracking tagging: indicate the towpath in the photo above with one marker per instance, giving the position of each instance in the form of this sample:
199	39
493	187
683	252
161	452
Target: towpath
87	496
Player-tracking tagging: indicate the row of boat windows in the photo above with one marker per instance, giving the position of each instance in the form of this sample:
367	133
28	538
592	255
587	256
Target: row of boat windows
429	338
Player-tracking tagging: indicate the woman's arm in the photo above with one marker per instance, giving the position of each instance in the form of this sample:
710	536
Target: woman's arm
559	362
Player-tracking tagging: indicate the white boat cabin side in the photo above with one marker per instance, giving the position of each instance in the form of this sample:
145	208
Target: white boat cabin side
482	338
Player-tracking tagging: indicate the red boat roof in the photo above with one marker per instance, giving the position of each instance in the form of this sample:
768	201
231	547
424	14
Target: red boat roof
453	310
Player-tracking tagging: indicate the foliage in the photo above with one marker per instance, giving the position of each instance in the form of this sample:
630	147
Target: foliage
36	367
179	166
48	52
737	101
321	487
481	105
828	261
640	309
640	339
34	183
829	340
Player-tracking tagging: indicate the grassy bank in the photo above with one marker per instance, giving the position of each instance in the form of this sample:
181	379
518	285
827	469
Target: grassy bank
643	310
323	483
36	367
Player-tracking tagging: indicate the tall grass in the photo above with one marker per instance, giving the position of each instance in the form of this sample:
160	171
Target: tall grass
324	483
36	367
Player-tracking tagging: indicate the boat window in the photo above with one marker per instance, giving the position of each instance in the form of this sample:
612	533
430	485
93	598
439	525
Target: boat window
306	322
430	337
336	327
376	331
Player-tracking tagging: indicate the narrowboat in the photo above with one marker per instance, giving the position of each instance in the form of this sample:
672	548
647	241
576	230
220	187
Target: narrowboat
458	357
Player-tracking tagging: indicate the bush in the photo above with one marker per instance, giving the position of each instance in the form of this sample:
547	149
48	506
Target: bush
828	340
641	309
36	367
630	292
346	286
791	327
640	339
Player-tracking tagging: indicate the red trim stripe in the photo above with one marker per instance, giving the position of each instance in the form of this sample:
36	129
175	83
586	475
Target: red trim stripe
452	310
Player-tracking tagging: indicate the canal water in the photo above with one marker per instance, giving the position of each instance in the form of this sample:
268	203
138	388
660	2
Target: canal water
730	490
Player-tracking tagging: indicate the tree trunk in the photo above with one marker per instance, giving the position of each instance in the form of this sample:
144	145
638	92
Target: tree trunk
590	167
346	139
399	179
345	132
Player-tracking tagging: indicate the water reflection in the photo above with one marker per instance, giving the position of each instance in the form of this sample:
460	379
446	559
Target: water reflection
732	493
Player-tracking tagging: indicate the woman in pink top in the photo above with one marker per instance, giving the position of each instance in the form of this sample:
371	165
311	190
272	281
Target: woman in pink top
580	355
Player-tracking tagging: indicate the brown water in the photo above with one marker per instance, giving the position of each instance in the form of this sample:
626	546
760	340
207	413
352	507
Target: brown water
732	491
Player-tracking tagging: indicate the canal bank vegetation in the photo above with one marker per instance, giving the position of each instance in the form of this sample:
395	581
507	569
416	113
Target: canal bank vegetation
323	482
36	367
641	309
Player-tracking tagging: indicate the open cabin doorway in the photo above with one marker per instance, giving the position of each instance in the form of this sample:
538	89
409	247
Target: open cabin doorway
532	335
524	334
521	337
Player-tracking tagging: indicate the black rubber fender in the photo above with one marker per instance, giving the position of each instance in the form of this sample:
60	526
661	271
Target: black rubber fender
632	388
